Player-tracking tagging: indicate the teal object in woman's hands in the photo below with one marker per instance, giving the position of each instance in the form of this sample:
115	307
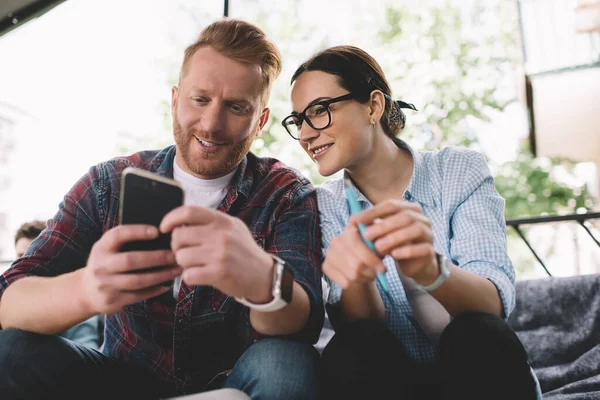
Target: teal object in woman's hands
355	209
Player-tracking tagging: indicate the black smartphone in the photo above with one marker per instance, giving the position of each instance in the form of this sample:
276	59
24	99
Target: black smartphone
145	199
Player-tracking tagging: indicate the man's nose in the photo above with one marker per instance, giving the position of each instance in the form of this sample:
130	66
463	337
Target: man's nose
213	118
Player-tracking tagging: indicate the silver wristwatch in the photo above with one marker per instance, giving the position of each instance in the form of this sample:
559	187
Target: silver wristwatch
444	265
281	289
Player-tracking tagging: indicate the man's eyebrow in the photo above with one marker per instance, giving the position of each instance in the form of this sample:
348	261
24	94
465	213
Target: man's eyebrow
247	101
244	100
198	90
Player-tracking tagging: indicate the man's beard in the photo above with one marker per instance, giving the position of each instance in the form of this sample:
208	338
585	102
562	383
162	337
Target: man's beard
204	165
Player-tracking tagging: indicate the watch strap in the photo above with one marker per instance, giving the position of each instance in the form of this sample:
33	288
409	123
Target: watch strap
281	288
444	267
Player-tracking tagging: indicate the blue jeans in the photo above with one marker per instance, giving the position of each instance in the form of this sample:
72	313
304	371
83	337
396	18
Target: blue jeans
34	366
277	369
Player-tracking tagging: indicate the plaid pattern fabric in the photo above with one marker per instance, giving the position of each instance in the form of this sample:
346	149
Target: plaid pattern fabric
188	342
455	188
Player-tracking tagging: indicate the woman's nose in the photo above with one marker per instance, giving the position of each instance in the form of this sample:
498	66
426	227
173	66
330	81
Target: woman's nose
307	133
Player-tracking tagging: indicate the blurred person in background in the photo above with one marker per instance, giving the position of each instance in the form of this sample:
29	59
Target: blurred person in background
25	235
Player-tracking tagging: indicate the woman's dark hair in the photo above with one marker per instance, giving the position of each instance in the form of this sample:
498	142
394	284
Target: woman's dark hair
360	74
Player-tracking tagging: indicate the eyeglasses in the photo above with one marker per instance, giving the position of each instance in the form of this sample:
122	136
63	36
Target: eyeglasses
317	115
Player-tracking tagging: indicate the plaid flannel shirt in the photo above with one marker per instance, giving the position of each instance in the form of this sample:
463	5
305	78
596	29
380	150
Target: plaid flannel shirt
187	343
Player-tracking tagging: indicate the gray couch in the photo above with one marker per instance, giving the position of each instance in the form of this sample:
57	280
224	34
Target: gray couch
558	321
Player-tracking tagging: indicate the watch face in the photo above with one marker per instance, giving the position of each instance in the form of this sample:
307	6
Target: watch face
287	285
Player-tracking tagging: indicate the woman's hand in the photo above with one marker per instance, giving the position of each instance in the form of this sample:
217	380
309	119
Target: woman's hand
400	229
349	261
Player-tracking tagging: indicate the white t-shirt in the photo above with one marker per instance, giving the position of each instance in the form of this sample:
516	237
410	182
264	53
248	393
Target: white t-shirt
200	192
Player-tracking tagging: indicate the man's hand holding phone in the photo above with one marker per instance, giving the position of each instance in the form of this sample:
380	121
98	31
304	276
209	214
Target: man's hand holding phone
134	261
218	250
108	281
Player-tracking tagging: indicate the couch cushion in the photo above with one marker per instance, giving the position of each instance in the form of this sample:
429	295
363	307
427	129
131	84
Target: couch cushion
558	321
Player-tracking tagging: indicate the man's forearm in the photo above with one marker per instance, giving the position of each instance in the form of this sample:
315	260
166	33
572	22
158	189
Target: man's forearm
288	320
43	305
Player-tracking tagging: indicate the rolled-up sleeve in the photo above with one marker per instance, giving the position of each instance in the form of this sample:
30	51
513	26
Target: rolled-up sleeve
478	230
297	240
331	226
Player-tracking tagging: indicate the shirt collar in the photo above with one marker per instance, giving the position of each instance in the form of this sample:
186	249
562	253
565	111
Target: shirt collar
242	182
162	164
419	188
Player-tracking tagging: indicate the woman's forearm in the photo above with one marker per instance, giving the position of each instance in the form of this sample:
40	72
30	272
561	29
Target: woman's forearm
362	301
465	291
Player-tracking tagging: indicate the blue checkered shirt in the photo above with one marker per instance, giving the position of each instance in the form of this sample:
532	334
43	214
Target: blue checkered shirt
456	190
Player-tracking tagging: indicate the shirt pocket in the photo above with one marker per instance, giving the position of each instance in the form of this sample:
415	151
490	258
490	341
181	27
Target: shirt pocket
138	308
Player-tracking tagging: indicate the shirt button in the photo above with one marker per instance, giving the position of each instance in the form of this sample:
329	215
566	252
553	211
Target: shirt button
407	196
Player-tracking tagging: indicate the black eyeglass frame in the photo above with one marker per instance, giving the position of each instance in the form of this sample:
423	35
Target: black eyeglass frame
302	115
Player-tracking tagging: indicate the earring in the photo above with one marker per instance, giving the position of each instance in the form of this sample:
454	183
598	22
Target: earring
372	122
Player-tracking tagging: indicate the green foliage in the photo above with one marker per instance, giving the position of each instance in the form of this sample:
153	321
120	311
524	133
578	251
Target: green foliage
538	186
459	64
447	60
532	186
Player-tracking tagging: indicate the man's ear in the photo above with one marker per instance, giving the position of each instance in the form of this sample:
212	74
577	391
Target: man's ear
174	96
376	105
264	117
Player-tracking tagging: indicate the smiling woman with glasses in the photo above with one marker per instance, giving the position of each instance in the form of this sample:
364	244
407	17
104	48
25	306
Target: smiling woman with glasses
436	223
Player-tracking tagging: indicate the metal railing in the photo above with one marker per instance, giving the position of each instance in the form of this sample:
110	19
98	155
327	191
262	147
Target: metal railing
516	224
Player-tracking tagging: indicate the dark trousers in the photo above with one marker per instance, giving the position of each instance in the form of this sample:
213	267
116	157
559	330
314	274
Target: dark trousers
478	357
